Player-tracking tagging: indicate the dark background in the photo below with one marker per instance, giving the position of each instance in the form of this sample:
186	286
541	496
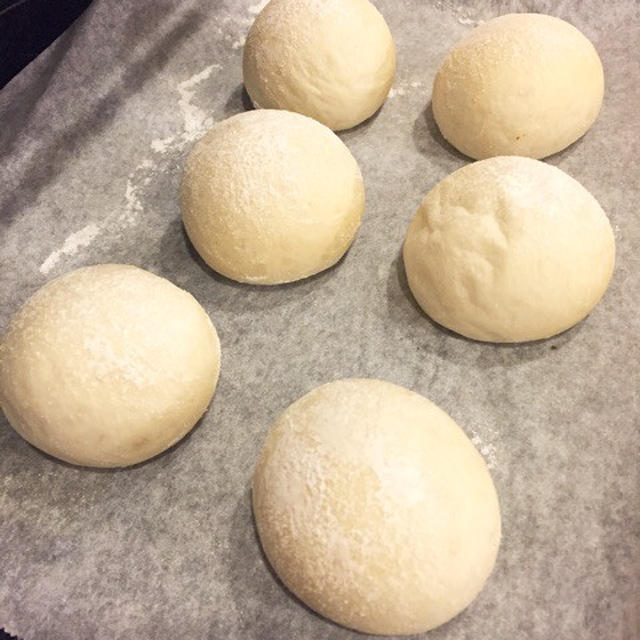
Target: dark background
27	27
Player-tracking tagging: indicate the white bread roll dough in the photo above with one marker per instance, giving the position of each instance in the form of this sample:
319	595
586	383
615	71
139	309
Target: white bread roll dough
509	249
375	509
107	366
332	60
522	84
271	196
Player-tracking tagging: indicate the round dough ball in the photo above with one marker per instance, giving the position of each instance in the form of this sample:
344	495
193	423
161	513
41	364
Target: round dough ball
107	366
522	84
509	249
271	196
375	509
332	60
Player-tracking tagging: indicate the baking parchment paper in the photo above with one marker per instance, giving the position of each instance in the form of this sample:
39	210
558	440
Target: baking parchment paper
93	136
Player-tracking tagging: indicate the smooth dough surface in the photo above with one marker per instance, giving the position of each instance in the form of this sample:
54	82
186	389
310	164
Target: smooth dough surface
522	84
271	196
332	60
374	507
509	249
107	366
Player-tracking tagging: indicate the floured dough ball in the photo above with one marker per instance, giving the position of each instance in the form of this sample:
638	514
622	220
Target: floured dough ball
332	60
271	196
375	509
522	84
107	366
509	249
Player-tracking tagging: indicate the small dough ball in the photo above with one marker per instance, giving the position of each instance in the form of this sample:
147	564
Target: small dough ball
375	509
107	366
332	60
522	84
509	249
271	196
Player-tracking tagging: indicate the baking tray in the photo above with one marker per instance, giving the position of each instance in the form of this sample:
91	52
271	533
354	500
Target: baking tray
93	137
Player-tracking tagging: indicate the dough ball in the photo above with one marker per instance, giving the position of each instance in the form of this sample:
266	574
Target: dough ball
332	60
375	509
271	196
509	249
107	366
522	84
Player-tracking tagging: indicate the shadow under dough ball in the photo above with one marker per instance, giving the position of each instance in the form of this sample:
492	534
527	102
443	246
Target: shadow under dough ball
271	196
107	366
509	249
522	84
331	60
375	509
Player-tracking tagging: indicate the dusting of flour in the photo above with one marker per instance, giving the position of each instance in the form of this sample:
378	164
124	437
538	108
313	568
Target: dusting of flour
246	22
404	88
195	121
75	241
487	450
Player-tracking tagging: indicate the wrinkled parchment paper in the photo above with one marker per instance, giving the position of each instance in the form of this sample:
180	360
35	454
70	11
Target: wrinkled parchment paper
93	137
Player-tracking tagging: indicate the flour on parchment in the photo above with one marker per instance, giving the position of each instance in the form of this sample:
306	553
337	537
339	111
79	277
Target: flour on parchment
195	121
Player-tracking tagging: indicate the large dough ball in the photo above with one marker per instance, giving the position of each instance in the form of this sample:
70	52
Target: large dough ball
522	84
375	509
271	196
107	366
509	249
332	60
